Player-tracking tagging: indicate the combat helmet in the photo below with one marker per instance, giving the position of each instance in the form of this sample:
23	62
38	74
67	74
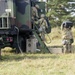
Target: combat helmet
37	6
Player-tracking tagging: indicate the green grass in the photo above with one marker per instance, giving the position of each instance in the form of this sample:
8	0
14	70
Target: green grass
39	64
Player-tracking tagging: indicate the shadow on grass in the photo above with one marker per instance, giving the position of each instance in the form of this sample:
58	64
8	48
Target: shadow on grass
19	57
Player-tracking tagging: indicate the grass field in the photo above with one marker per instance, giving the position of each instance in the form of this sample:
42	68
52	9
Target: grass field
39	63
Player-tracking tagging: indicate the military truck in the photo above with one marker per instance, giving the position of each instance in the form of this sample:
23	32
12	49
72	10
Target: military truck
15	22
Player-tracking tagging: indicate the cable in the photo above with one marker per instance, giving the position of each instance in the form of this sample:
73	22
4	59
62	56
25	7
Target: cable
48	37
18	41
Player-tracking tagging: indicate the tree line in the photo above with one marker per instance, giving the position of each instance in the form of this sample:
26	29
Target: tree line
59	11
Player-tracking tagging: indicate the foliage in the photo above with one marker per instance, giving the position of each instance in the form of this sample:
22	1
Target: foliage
58	11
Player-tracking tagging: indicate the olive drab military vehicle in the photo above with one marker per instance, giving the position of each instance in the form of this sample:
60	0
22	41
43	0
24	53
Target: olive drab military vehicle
15	22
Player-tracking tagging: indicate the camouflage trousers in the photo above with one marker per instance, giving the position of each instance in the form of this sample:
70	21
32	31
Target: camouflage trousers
67	47
42	32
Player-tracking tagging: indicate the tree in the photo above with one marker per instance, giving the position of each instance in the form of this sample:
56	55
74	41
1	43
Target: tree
58	11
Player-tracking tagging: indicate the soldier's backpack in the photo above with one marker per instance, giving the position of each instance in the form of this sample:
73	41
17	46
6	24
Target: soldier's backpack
48	30
67	24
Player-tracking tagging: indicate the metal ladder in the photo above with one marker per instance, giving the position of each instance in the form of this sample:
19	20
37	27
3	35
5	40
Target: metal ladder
44	48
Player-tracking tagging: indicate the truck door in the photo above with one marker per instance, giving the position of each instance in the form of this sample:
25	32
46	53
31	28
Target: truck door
41	6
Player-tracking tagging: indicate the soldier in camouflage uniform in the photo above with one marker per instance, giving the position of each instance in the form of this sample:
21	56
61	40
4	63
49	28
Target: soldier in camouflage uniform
35	13
43	24
67	39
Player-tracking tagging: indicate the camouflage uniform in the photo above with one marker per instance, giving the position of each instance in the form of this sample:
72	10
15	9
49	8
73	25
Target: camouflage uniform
66	39
35	14
43	24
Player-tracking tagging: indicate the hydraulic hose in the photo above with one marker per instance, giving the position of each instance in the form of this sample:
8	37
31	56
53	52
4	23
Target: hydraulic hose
48	37
18	40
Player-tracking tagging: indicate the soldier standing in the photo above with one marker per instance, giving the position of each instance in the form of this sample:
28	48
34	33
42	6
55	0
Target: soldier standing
43	25
67	36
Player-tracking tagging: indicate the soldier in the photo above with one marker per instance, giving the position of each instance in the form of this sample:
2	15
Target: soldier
42	24
67	37
35	13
